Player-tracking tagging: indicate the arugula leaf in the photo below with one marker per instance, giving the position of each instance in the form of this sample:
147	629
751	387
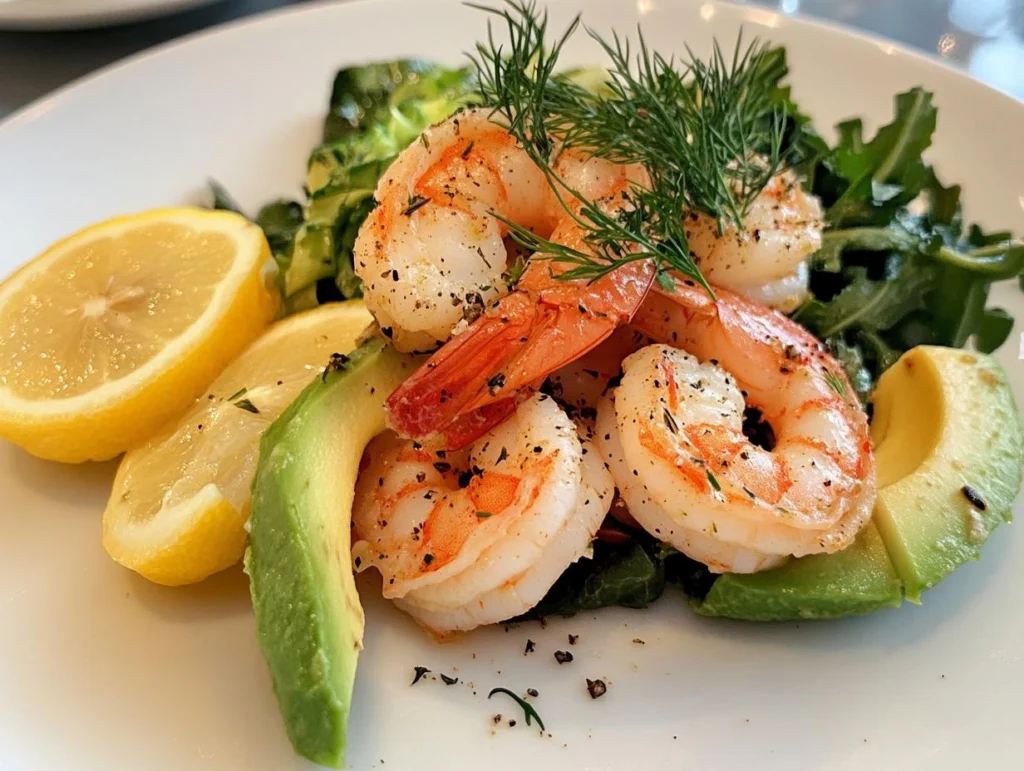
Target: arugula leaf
873	239
943	205
879	350
880	176
995	326
803	146
866	303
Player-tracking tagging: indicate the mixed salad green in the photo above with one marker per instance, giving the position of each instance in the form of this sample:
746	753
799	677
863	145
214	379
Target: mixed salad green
898	266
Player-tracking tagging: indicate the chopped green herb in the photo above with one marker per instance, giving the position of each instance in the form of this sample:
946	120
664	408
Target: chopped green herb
835	382
713	481
448	680
528	710
670	421
484	515
415	202
247	405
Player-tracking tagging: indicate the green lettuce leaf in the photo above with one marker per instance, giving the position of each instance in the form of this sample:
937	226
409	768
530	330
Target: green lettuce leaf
875	178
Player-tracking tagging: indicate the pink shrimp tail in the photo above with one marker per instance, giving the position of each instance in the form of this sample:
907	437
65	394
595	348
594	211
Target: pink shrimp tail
509	350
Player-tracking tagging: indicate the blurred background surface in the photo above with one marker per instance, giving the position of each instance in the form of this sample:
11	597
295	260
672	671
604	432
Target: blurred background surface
986	37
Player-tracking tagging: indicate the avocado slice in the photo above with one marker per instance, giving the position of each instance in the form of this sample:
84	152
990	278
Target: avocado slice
308	616
949	444
857	580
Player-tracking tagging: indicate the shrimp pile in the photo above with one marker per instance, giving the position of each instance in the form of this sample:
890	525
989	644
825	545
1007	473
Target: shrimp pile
479	535
672	435
495	490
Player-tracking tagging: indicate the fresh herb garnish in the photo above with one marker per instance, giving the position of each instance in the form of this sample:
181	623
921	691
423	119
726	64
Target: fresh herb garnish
238	394
713	481
484	515
835	382
670	421
528	711
448	680
709	134
415	202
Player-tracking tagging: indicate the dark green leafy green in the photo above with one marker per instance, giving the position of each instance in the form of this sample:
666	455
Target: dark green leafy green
280	221
222	200
880	176
617	574
895	268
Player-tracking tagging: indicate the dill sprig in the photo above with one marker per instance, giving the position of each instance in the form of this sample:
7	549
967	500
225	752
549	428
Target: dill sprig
712	129
528	711
518	80
709	134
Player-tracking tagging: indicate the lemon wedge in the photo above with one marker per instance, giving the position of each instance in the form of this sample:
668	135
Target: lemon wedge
115	330
179	504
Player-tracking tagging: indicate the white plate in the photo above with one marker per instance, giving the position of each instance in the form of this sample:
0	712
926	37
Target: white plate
101	670
80	14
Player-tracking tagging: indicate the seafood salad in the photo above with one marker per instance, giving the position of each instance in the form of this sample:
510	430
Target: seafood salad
655	331
539	340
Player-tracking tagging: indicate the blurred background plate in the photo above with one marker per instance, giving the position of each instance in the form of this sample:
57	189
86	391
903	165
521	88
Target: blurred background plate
79	14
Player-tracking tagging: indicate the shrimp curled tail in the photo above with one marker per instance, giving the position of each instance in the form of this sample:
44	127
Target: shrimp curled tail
673	433
477	536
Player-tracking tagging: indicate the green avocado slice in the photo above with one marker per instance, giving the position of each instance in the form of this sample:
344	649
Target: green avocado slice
308	616
858	580
949	444
949	454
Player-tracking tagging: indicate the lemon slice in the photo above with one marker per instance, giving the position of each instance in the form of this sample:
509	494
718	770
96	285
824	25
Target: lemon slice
179	505
112	332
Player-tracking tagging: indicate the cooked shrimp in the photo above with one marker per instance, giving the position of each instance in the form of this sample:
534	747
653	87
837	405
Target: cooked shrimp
690	474
545	323
479	535
766	260
432	252
580	384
